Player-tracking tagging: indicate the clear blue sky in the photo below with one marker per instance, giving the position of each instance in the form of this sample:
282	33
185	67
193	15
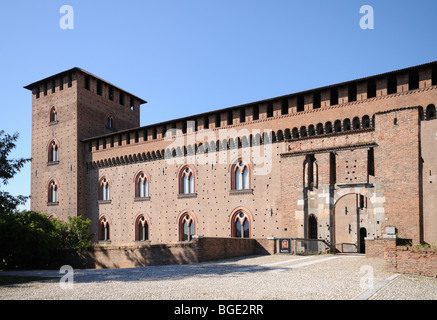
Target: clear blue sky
187	57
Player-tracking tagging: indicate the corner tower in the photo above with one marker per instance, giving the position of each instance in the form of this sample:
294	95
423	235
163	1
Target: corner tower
66	108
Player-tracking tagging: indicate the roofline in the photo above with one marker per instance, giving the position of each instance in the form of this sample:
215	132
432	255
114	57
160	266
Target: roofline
266	100
30	86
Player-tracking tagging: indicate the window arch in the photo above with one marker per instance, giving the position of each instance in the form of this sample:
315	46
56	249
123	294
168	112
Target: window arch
110	121
356	123
104	188
240	178
303	131
53	115
366	121
53	192
142	185
328	127
104	228
241	224
142	228
187	226
53	151
311	130
346	124
430	112
310	172
337	126
186	180
319	128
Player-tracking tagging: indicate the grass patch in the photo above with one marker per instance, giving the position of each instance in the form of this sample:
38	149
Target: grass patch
8	280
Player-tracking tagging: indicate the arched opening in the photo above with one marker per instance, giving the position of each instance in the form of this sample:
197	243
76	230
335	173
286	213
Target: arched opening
346	124
337	126
312	227
53	115
430	112
319	128
328	127
187	227
366	122
362	245
141	228
103	231
241	224
353	219
356	123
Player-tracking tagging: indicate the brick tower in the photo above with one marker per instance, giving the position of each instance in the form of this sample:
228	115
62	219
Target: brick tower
67	108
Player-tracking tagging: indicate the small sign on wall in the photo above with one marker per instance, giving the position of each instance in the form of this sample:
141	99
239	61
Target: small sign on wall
284	245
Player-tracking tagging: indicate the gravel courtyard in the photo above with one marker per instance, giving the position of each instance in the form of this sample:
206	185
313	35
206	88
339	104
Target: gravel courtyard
285	277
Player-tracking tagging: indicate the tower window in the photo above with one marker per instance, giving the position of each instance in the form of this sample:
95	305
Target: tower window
121	98
53	115
99	87
87	82
111	93
53	152
53	192
104	188
132	103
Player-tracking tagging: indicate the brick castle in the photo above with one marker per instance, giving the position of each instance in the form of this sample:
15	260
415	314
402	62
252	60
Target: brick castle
338	163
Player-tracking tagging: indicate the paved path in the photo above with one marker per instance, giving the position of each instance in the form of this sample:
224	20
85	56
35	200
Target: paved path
285	277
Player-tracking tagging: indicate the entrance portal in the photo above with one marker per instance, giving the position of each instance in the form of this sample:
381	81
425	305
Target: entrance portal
352	213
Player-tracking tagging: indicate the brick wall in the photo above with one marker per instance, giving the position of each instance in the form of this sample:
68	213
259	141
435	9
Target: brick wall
198	250
404	259
412	260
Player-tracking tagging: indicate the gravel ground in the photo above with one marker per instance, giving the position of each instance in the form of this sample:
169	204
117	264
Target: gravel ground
284	277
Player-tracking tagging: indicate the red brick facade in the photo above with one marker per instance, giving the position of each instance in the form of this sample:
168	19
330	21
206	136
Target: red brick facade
338	163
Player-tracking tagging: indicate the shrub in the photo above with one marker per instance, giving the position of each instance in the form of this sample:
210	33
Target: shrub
30	240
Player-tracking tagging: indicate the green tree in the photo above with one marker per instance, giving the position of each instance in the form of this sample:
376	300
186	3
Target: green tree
8	168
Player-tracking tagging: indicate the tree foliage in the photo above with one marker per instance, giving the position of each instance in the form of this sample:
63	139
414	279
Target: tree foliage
8	168
29	240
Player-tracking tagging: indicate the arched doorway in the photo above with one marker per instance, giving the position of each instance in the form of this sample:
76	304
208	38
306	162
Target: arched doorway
312	227
363	235
353	218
